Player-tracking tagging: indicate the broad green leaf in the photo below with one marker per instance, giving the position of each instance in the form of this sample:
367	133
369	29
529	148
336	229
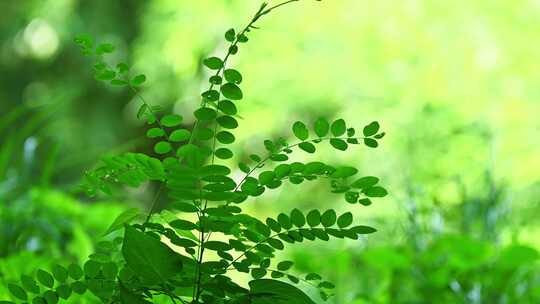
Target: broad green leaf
183	225
138	80
300	130
370	142
217	80
376	191
233	76
210	95
284	221
268	291
29	284
345	220
78	287
155	132
225	137
123	218
231	91
205	114
321	127
17	291
307	146
273	224
223	153
371	129
363	229
51	297
60	273
365	182
227	107
45	278
339	144
258	273
179	135
149	258
171	120
275	243
162	147
338	127
230	35
284	265
344	172
297	218
217	246
227	122
75	272
213	63
92	268
64	291
313	218
328	218
127	296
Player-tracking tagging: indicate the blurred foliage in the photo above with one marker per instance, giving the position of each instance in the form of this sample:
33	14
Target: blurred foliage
454	83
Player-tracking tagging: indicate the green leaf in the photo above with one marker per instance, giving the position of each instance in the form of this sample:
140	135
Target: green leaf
183	225
307	146
230	35
284	265
363	229
123	218
338	127
227	122
328	218
344	172
273	224
217	246
231	91
155	132
227	107
376	191
371	129
149	258
162	147
300	130
29	284
223	153
78	287
268	291
370	142
51	297
233	76
45	278
275	243
210	95
92	268
258	273
345	220
327	285
64	291
225	137
75	272
284	221
217	80
138	80
365	182
321	127
60	273
205	114
313	218
171	120
180	135
338	144
267	177
213	63
17	291
313	277
297	218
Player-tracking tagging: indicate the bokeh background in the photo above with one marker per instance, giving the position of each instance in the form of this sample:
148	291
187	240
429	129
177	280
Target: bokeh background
453	83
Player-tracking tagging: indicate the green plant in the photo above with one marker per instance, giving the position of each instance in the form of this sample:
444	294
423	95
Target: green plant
140	266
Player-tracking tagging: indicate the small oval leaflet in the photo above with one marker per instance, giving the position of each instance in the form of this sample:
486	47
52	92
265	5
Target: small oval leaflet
231	91
233	76
213	63
138	80
371	129
300	130
338	127
171	120
179	135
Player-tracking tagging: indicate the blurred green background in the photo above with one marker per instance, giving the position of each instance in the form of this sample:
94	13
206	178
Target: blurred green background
453	83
